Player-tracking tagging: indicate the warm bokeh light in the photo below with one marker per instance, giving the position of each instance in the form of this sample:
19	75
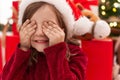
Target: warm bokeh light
113	24
116	5
118	0
103	13
114	10
103	1
103	7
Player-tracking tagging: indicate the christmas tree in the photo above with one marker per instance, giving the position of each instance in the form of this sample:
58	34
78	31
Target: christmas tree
109	10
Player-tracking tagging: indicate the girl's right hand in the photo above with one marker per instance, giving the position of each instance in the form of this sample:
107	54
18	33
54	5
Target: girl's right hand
26	31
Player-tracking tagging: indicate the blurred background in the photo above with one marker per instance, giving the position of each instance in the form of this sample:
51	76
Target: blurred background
100	52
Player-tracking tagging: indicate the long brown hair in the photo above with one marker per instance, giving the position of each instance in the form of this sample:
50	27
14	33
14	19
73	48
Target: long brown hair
29	12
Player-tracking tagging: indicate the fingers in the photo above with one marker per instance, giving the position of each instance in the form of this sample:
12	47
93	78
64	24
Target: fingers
26	31
28	27
55	26
25	24
52	26
53	32
31	30
50	29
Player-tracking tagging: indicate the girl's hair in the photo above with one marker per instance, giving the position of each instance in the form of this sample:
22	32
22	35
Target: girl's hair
29	12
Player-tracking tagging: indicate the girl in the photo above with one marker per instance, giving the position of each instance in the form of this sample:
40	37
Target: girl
46	50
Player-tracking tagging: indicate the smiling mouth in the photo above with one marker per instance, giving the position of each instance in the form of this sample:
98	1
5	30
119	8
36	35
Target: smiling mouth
41	41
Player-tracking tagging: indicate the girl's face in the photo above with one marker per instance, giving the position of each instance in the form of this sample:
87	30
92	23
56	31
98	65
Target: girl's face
39	40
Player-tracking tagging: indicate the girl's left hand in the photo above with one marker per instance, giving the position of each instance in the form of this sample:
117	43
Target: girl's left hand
53	32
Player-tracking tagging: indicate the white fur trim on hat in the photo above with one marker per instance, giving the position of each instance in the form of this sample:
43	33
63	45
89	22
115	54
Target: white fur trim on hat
61	5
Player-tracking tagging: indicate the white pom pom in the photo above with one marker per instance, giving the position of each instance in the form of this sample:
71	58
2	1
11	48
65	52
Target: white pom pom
82	26
102	29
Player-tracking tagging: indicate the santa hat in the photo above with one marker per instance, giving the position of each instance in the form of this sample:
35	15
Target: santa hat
61	5
68	17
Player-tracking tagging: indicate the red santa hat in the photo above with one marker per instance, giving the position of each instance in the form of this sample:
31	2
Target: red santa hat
68	17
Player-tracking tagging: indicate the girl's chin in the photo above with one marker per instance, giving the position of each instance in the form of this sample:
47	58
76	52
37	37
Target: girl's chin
40	50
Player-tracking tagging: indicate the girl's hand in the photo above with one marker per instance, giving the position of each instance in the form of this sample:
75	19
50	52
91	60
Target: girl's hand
26	31
53	32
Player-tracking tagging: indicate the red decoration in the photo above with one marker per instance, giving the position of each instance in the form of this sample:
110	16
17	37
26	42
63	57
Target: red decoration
86	3
83	4
76	11
15	17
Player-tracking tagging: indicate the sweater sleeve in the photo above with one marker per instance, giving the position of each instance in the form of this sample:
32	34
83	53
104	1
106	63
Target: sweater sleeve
62	69
78	63
16	66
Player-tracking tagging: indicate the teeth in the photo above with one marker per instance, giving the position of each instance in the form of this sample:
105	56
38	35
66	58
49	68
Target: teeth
40	40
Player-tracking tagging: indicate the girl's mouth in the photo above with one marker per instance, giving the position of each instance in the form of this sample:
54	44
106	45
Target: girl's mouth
41	41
